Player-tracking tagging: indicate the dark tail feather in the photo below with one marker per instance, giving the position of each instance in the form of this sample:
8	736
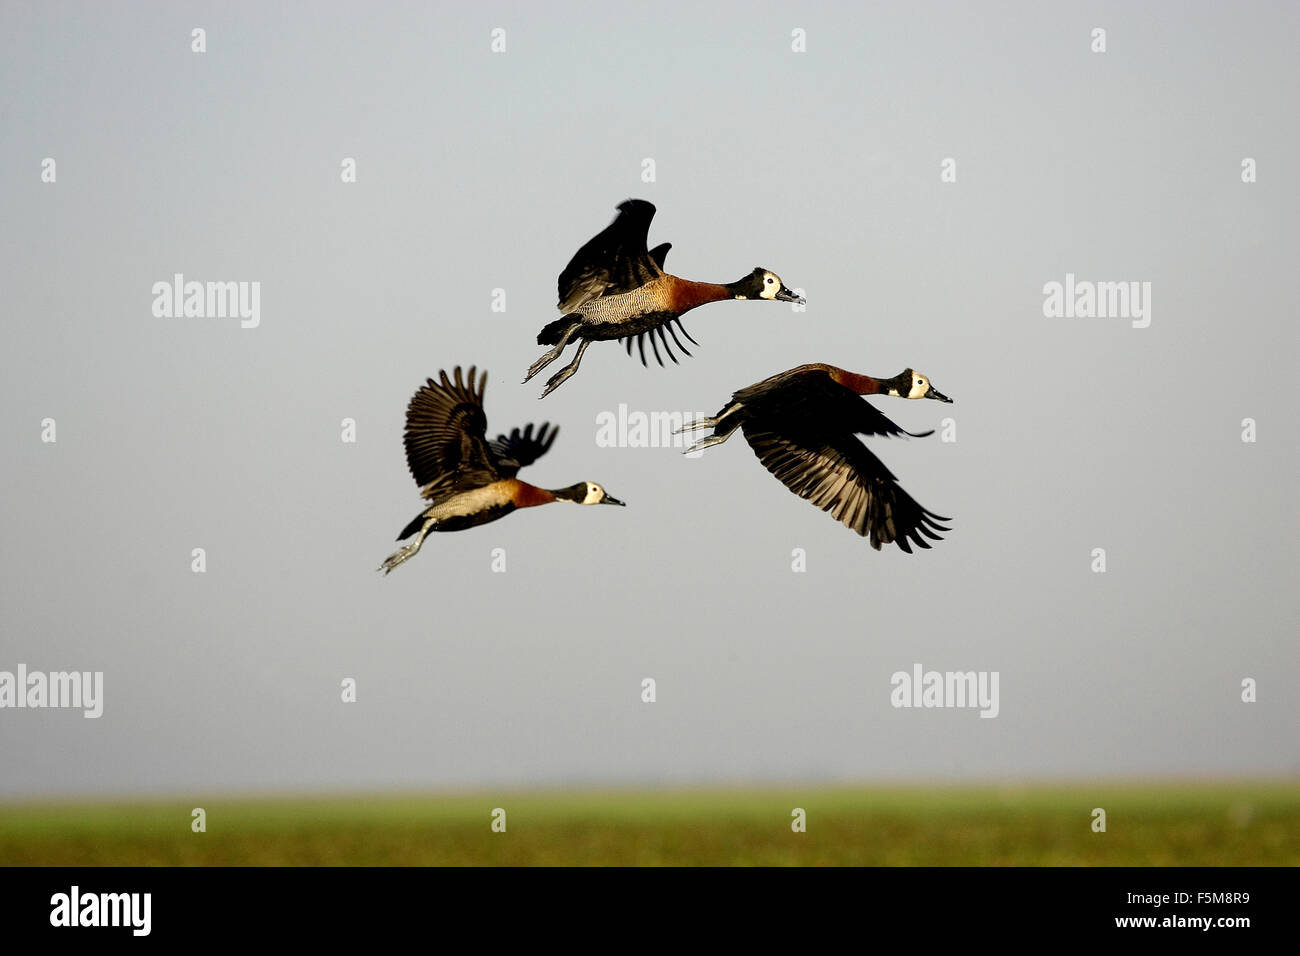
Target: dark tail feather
667	348
552	331
676	339
684	332
413	527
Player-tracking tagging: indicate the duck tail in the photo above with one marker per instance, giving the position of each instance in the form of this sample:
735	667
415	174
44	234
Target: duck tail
552	331
416	523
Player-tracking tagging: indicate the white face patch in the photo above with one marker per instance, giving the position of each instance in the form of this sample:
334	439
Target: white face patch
920	385
771	286
595	494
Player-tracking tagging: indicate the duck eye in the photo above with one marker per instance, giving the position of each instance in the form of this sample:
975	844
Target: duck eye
769	280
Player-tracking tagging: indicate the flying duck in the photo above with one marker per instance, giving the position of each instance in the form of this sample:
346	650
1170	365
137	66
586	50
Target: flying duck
614	288
802	424
467	479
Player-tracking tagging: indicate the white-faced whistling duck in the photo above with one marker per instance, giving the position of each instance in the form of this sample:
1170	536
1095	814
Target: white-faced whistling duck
614	289
467	479
802	425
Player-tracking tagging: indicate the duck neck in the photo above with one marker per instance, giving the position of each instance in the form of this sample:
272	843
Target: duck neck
862	384
575	493
525	495
687	294
899	385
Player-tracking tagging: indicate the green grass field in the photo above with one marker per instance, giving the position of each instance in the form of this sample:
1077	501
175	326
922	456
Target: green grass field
1165	824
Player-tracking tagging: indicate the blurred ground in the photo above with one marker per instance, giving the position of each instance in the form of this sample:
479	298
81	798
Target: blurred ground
1163	824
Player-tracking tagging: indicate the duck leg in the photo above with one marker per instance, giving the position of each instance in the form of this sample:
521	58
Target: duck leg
698	423
408	552
560	377
716	439
553	354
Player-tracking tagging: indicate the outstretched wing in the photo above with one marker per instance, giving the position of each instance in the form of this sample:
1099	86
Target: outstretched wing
614	260
810	394
446	444
520	449
842	476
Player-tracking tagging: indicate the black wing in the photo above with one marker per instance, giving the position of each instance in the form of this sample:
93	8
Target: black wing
840	475
613	261
446	445
659	253
520	449
803	395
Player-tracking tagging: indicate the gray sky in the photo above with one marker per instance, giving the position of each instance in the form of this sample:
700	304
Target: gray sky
479	171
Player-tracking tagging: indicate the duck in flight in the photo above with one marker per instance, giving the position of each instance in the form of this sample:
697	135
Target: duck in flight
467	479
803	425
615	289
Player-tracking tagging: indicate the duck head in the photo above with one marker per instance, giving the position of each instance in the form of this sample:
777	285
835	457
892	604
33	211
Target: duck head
762	284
